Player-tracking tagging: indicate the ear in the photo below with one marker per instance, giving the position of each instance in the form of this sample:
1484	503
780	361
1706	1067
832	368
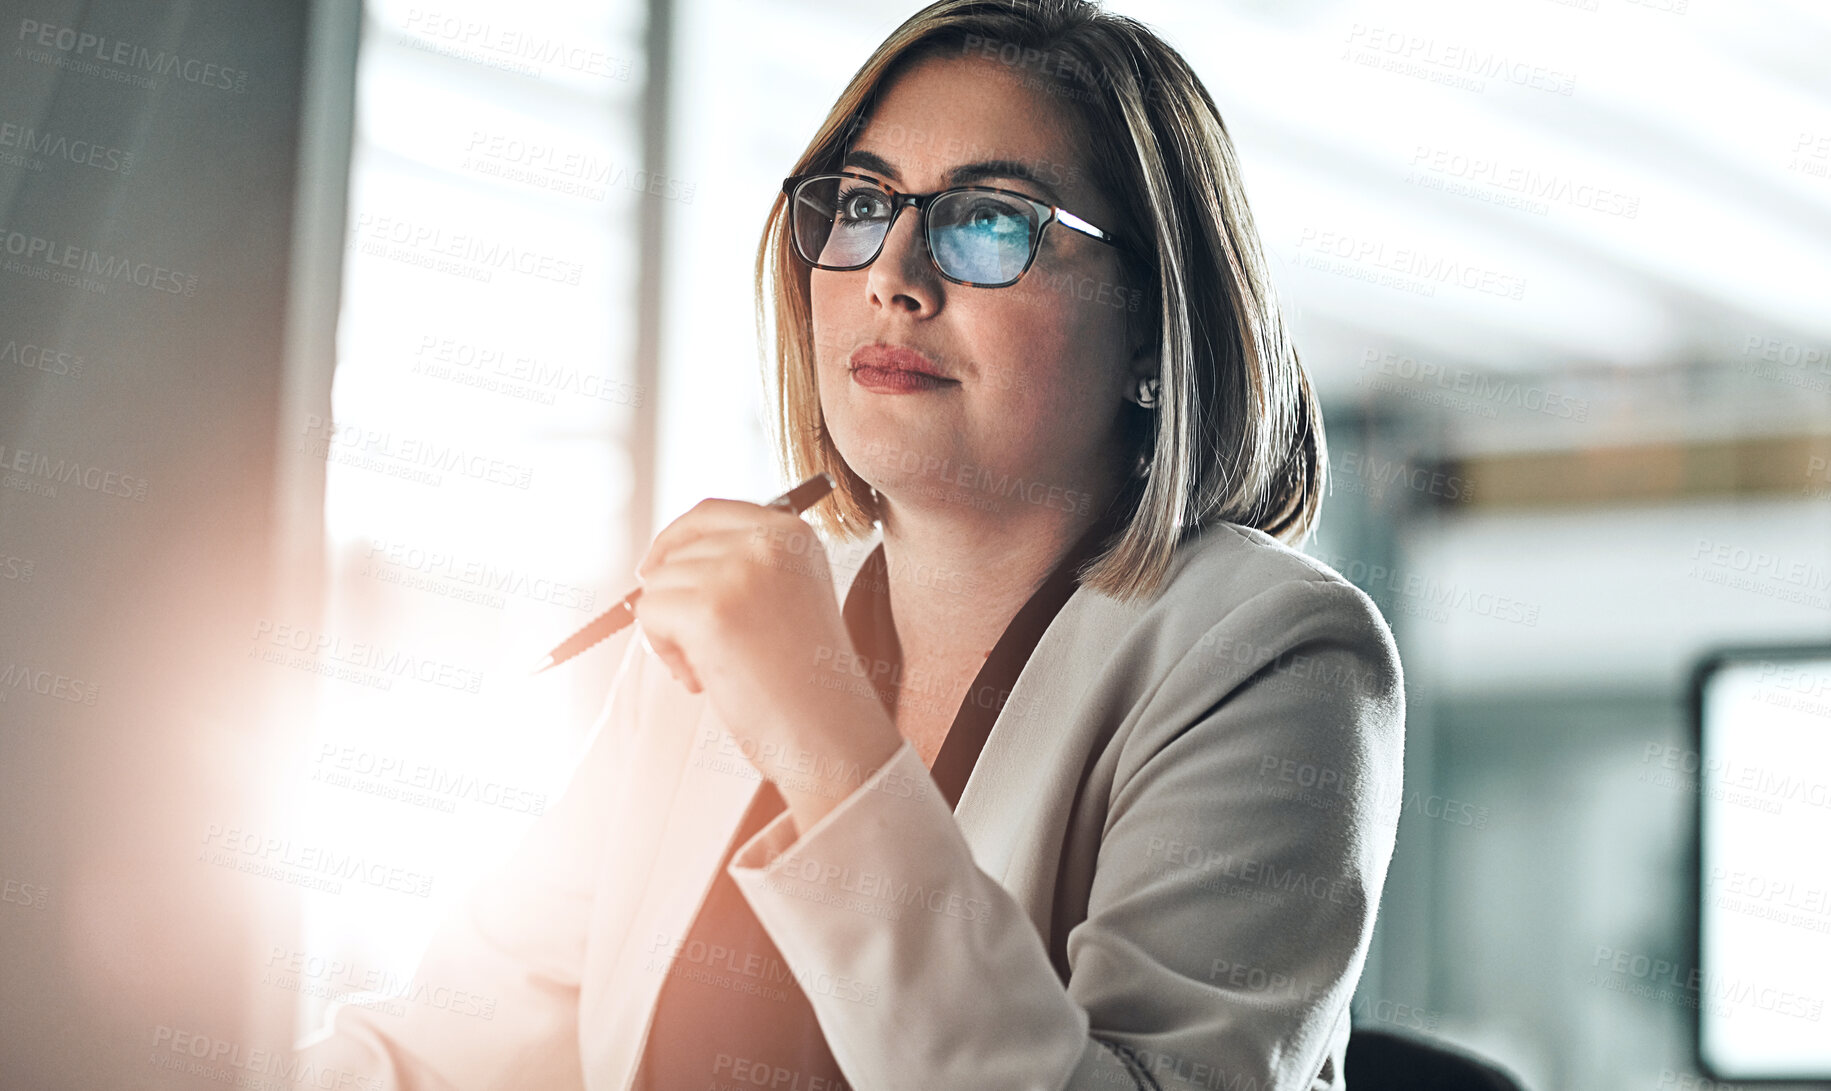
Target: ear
1144	364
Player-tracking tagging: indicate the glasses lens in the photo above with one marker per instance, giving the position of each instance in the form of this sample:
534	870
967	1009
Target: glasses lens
983	238
839	222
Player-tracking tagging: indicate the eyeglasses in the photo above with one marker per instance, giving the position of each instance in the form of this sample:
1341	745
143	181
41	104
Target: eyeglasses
979	236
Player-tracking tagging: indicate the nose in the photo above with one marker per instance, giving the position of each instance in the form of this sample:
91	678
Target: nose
903	278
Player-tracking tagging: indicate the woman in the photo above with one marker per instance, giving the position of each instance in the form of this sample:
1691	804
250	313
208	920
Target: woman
1088	783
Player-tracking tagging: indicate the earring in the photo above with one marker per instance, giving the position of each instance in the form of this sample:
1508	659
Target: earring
1146	393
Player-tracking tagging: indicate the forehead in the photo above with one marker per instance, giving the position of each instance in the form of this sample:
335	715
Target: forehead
947	112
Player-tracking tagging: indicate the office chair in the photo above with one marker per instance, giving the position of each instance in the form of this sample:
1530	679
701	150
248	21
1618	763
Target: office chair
1386	1060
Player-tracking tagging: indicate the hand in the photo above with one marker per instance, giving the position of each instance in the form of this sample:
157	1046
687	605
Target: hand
738	601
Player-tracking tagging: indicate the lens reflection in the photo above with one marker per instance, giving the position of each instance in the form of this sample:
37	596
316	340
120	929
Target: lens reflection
975	236
981	237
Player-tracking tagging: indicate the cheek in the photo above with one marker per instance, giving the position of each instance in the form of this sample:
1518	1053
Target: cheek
834	304
825	307
1066	357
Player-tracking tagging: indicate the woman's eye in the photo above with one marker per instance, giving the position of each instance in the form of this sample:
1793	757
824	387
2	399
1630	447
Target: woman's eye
861	205
991	216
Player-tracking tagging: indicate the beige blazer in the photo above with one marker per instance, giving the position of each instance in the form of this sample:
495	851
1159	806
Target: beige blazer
1164	869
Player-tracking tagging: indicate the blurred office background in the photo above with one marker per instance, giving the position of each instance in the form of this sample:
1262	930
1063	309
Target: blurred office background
349	355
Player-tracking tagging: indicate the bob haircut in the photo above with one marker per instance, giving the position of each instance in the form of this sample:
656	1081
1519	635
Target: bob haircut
1237	433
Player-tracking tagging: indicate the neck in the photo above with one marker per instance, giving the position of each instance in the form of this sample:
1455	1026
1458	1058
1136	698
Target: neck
958	574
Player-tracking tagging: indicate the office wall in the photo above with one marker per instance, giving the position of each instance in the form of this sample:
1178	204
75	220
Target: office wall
1545	827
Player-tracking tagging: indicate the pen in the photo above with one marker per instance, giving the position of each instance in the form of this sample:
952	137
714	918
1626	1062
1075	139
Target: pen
798	499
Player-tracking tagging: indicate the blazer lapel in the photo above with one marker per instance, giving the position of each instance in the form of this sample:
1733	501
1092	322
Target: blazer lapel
1014	811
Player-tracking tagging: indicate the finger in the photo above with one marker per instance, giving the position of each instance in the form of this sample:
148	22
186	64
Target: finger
681	579
721	544
705	517
673	611
782	542
671	657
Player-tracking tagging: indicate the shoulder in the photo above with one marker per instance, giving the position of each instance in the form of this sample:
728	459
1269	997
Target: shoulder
1252	640
1226	564
1234	584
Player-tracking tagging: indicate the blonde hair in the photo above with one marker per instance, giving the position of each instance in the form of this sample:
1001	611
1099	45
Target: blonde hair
1237	434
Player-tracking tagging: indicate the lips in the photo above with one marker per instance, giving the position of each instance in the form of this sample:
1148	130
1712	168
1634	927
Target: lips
895	358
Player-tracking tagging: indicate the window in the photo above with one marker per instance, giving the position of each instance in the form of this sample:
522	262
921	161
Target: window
479	461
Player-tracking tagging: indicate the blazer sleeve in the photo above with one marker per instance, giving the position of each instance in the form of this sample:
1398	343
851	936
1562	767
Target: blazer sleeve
1229	912
513	948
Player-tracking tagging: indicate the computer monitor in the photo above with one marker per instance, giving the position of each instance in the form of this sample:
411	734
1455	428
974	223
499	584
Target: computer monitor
1761	771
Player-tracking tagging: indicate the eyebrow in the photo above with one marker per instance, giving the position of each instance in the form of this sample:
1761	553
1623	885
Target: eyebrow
965	175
